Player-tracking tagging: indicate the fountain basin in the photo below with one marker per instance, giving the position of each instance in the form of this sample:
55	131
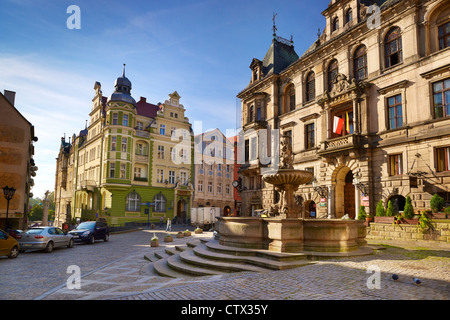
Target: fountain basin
292	235
288	177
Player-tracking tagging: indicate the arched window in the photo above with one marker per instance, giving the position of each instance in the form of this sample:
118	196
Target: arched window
133	202
332	73
160	203
291	94
393	48
360	63
335	24
310	86
349	16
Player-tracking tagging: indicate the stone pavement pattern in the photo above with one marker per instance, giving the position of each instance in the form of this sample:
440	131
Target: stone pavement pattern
131	278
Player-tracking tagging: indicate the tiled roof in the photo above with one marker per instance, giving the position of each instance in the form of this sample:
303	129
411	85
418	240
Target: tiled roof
146	109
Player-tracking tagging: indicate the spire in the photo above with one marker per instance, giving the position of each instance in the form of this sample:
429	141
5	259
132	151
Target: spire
123	74
274	26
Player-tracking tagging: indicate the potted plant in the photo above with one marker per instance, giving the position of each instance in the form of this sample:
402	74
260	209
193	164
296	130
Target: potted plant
425	222
408	212
154	241
180	234
168	238
388	216
187	233
198	230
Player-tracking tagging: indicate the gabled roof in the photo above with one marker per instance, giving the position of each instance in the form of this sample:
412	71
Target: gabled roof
146	109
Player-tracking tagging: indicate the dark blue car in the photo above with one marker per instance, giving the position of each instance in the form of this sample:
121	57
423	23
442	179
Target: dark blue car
90	231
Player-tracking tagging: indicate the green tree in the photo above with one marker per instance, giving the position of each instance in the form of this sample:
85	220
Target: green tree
380	212
362	213
390	212
36	212
408	211
437	203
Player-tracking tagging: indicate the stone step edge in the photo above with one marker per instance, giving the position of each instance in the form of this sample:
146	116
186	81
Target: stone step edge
271	264
215	246
191	258
162	269
175	263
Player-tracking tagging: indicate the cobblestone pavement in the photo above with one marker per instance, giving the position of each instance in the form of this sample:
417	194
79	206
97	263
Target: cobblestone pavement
129	278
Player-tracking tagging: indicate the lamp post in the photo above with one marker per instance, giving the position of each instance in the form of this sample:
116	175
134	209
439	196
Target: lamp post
322	191
9	194
359	185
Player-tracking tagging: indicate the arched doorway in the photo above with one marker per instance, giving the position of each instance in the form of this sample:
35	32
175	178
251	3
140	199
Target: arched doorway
311	209
226	211
344	198
398	202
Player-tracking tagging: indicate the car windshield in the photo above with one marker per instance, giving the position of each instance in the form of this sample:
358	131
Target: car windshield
34	231
86	225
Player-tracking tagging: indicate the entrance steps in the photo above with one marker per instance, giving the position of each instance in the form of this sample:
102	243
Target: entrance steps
208	257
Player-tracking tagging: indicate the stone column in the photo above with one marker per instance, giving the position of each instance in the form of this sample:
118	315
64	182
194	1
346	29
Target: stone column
331	213
46	205
356	124
357	202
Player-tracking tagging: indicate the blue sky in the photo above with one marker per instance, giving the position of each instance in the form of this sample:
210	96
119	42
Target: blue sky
200	48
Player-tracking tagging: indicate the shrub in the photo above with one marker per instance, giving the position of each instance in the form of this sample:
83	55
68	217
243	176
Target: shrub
390	209
447	210
380	212
437	203
362	213
408	212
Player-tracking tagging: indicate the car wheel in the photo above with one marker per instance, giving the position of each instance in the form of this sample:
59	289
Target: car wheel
13	253
49	247
106	238
92	240
70	245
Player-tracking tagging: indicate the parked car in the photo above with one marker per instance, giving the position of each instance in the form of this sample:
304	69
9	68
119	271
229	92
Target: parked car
8	245
90	231
15	233
45	238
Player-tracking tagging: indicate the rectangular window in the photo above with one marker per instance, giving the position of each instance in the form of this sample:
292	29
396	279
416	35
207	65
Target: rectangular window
140	125
183	177
124	144
253	154
160	175
137	172
441	98
171	177
162	129
210	187
200	186
227	189
115	120
258	114
247	150
219	188
443	159
309	136
160	152
123	170
444	35
395	165
125	120
113	143
112	170
395	112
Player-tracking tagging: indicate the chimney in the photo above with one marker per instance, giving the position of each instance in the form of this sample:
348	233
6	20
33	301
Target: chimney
10	96
143	99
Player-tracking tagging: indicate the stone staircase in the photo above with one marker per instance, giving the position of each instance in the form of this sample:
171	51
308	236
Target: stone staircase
208	258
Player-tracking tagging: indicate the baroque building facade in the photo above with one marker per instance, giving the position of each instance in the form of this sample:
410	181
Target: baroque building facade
132	163
214	171
17	166
366	107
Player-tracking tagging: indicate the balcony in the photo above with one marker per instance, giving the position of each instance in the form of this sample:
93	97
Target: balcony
141	158
142	133
88	185
348	142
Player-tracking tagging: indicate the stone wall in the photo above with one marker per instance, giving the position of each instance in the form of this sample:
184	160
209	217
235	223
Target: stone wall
384	231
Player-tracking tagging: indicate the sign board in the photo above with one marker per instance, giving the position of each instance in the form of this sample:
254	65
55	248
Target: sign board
322	204
365	198
323	199
413	182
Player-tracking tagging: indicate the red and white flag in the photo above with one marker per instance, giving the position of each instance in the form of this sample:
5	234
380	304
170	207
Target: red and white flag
338	124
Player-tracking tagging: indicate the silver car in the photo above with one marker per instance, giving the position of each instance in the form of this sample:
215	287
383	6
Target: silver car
44	238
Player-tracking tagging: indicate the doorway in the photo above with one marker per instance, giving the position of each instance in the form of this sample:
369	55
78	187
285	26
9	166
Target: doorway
181	210
349	196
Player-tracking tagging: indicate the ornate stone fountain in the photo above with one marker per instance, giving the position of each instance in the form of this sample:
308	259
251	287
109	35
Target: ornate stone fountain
287	232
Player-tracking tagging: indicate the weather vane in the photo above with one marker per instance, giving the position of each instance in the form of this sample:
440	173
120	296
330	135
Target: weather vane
274	26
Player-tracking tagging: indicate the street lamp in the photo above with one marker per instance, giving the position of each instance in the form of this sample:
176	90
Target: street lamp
9	194
359	185
322	191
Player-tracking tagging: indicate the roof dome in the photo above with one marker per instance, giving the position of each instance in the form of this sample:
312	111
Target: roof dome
123	90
